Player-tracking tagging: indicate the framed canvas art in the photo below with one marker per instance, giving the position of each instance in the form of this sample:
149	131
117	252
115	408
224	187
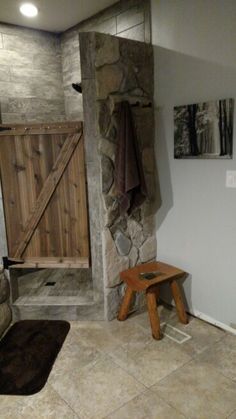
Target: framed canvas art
204	130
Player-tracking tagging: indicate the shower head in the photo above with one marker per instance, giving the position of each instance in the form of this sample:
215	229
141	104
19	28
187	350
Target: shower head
77	87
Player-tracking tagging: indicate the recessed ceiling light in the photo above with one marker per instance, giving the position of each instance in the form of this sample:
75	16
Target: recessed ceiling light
29	10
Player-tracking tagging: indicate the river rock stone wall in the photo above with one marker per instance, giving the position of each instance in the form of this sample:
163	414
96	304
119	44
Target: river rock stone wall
5	311
116	69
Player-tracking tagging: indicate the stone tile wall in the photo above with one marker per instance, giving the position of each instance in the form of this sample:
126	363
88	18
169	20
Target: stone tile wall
127	18
30	76
30	91
30	83
115	69
36	74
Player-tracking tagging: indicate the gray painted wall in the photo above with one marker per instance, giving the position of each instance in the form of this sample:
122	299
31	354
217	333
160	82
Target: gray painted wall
195	60
129	19
30	76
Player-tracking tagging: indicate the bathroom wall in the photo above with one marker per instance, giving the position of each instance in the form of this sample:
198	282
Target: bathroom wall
195	61
127	18
30	76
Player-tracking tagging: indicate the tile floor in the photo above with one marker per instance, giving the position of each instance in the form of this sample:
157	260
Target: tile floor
117	371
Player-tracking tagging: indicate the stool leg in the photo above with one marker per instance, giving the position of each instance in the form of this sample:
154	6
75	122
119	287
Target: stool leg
153	314
179	302
124	308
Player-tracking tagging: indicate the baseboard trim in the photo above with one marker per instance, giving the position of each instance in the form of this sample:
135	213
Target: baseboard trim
210	320
196	313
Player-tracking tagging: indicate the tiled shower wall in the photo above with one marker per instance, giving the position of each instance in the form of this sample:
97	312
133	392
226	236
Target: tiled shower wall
38	68
30	76
30	83
127	18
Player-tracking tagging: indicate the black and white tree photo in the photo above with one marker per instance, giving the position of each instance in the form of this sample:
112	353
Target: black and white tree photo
204	130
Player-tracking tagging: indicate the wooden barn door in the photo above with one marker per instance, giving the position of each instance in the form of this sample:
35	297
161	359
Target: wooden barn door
44	194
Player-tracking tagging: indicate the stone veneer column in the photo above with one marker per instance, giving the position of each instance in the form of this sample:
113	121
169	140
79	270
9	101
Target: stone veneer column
114	69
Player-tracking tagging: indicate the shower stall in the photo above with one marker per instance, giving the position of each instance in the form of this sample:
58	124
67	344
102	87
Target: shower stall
64	227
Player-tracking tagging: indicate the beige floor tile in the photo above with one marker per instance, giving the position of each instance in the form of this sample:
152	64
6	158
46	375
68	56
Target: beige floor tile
198	391
111	335
202	334
95	391
76	353
146	406
45	404
128	333
100	368
151	363
101	338
142	319
222	356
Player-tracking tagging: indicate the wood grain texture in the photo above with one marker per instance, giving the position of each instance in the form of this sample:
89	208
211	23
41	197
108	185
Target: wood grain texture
125	305
40	129
49	262
179	302
153	314
165	273
44	192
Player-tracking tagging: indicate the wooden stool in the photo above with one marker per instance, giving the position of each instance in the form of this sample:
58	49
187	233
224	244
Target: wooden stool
163	273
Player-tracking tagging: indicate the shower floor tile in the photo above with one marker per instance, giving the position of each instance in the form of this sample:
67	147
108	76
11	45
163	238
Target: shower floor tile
68	286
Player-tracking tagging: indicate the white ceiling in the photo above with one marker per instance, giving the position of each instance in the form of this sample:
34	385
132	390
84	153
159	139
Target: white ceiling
54	15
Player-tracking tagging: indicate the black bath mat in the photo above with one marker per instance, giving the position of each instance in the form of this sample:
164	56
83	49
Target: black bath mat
27	353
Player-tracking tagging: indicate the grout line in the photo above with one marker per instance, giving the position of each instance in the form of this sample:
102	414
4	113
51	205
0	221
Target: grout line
175	371
228	417
168	402
123	405
211	365
172	372
127	372
71	408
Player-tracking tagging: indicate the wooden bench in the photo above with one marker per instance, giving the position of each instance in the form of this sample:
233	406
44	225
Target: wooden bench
136	282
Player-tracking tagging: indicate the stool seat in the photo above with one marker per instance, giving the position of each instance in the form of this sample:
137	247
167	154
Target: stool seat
163	272
160	273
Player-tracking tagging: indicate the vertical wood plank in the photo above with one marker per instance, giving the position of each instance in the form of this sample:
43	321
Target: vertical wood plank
26	162
10	192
